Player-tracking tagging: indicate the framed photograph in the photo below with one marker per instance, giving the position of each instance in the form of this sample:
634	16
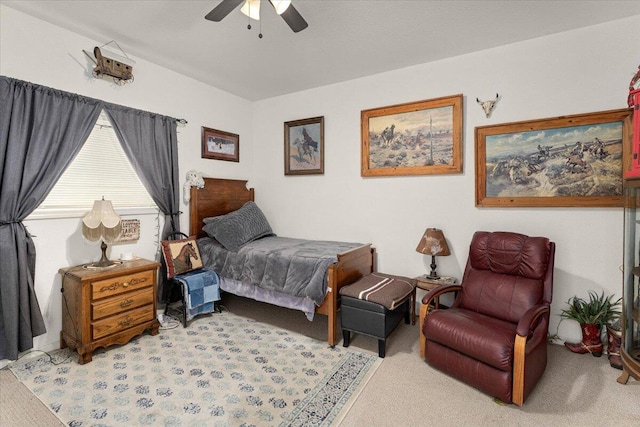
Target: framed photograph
219	145
568	161
304	147
417	138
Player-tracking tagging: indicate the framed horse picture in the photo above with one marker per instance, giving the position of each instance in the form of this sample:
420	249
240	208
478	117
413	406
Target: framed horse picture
416	138
566	161
304	147
181	256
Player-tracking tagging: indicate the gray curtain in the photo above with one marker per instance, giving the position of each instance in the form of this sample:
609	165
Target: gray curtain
41	131
150	143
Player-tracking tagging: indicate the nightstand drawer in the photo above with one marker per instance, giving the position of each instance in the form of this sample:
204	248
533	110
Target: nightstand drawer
114	324
118	285
121	303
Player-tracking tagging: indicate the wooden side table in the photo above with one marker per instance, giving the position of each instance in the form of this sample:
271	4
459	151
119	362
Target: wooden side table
426	283
106	306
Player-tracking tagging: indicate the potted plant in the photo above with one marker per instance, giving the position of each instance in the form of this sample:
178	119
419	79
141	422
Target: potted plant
592	314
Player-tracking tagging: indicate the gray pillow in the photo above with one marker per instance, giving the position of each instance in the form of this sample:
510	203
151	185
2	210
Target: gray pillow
209	219
240	227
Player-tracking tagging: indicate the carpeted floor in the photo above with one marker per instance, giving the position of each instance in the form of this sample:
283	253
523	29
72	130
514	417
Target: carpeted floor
576	390
223	370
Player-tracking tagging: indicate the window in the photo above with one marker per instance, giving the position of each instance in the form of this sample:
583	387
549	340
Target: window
101	169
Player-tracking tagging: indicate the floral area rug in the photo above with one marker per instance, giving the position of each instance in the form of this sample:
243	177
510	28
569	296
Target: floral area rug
222	370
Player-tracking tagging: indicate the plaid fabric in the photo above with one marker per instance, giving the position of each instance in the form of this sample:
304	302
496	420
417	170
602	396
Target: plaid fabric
201	290
384	289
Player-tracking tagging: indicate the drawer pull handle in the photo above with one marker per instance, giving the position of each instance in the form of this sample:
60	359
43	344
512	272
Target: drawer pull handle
116	285
126	303
125	322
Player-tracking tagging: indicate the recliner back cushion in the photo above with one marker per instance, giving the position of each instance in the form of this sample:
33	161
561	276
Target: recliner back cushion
505	276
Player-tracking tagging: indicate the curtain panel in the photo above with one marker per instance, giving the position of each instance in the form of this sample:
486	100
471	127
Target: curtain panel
150	140
41	132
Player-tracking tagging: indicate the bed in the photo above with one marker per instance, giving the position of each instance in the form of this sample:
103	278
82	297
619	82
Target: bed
223	196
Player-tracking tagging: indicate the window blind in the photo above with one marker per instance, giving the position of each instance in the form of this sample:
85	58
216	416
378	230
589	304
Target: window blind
101	169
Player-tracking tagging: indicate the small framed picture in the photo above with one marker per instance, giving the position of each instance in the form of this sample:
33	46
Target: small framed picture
304	147
220	145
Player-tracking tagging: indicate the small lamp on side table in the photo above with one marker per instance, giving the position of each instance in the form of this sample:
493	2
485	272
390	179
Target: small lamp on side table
433	243
102	223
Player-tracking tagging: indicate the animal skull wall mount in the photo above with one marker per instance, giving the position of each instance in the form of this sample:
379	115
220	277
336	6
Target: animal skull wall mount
487	106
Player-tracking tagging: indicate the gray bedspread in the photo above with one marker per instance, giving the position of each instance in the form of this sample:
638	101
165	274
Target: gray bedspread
291	266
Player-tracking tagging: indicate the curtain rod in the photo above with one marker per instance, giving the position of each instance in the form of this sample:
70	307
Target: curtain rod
182	122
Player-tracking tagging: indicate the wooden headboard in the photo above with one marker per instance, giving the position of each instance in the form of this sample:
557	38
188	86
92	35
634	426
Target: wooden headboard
218	197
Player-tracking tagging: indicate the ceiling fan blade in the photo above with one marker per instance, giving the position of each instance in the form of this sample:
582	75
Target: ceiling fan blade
223	9
294	19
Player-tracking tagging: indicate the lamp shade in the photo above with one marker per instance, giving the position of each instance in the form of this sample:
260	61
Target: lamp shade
251	8
280	5
433	243
102	222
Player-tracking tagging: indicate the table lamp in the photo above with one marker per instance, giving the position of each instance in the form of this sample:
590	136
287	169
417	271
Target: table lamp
433	243
102	222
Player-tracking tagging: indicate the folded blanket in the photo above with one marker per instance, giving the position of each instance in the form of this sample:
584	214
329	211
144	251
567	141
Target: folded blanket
201	289
384	289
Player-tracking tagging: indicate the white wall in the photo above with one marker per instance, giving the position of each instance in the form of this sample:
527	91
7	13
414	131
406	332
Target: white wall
575	72
36	51
582	71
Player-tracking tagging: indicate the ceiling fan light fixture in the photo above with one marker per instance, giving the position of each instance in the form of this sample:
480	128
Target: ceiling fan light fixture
251	8
280	5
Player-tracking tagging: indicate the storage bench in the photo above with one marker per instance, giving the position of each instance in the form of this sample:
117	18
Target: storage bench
374	306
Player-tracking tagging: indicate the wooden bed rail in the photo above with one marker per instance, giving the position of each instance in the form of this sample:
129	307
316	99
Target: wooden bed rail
350	267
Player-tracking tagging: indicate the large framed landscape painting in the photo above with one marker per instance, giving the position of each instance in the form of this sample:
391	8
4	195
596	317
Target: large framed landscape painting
568	161
417	138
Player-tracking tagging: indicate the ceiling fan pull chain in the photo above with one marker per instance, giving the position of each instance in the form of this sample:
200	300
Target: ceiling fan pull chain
249	17
260	34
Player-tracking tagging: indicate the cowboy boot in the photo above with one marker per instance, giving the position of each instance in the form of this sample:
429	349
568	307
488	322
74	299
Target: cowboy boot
591	342
614	338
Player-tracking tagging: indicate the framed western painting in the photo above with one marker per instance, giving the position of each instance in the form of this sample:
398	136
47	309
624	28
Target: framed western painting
568	161
417	138
219	145
304	147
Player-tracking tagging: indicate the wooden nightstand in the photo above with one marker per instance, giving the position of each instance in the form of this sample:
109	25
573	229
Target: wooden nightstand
106	306
423	282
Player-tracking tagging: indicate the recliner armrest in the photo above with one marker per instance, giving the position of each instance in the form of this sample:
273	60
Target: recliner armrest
529	318
435	293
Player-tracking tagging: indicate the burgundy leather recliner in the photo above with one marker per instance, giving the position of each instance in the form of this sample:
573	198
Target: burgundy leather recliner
494	336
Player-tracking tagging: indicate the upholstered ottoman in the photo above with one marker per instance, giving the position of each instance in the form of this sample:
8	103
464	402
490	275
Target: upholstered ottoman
374	306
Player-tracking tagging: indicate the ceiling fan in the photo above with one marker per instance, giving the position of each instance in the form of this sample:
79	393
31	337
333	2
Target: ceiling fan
251	8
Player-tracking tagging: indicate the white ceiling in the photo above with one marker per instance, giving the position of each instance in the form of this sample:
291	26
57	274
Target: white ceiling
346	39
